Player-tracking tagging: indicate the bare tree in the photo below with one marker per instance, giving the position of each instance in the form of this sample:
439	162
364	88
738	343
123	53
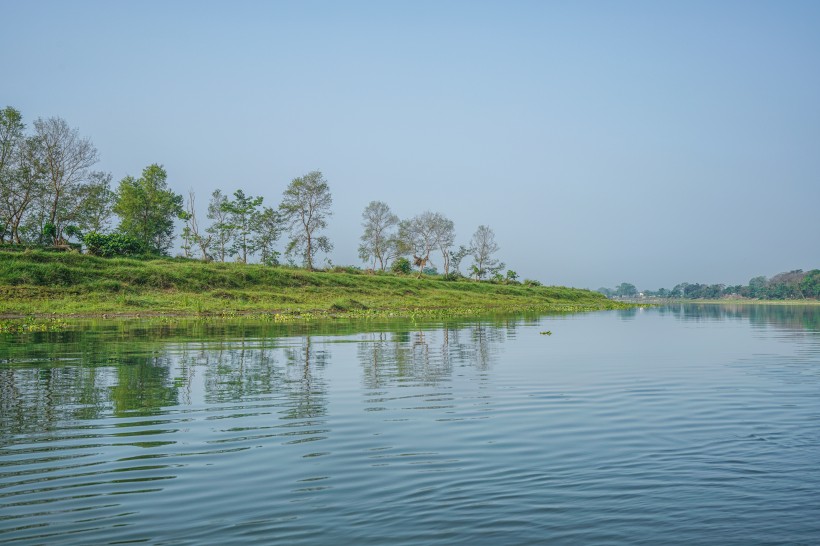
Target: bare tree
66	160
417	236
482	247
191	231
21	185
306	206
445	234
378	241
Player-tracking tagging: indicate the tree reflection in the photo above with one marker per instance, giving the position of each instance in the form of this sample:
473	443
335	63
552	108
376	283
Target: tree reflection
306	391
426	357
144	385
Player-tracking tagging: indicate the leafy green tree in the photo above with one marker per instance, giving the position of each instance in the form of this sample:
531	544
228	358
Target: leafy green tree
626	289
810	285
220	228
757	287
379	238
401	265
305	207
267	230
147	209
456	258
96	203
243	213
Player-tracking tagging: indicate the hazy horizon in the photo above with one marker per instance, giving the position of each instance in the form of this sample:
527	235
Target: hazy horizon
602	142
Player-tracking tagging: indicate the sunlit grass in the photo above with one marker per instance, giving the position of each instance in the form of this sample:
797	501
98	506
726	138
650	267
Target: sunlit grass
41	283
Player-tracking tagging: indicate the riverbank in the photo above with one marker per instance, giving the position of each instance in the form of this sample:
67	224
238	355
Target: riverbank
45	284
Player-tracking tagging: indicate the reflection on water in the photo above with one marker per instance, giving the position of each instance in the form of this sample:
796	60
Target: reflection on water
625	426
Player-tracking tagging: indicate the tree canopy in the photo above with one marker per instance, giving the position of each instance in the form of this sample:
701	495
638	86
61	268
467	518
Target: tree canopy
305	207
147	209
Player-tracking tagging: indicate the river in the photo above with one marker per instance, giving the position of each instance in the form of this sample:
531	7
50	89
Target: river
683	424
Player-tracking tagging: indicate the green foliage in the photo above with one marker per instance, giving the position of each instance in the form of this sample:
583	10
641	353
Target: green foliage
112	245
626	290
305	207
401	266
379	238
243	219
789	285
147	209
50	231
810	285
531	282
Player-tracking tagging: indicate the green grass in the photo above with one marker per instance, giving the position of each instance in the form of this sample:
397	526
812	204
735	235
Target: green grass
38	283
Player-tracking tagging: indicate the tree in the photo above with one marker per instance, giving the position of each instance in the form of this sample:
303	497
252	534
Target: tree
378	241
757	287
810	285
66	160
191	233
21	174
242	218
220	230
626	289
482	247
147	209
96	203
267	229
457	256
306	206
445	233
418	236
21	186
11	134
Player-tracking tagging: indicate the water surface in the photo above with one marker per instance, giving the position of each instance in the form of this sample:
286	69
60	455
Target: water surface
691	424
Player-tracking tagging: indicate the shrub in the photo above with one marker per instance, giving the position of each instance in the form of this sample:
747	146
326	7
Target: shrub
531	282
114	244
402	266
351	269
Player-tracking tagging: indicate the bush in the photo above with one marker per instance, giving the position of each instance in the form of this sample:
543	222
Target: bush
350	269
402	266
114	244
530	282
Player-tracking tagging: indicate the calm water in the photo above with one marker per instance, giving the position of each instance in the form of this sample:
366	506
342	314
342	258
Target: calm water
679	425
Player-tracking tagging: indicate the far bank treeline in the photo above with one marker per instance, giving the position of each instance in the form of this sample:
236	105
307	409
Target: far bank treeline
790	285
50	197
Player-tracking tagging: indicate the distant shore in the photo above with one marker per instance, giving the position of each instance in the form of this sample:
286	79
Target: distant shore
657	301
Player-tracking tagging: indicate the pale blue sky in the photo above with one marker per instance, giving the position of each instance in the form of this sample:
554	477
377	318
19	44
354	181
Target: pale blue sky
647	142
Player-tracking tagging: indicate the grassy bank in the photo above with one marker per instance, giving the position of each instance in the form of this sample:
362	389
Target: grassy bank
68	284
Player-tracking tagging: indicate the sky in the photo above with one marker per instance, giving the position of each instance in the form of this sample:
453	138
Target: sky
603	142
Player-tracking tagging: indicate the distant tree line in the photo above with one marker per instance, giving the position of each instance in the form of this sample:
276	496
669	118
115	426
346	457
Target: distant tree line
50	196
790	285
